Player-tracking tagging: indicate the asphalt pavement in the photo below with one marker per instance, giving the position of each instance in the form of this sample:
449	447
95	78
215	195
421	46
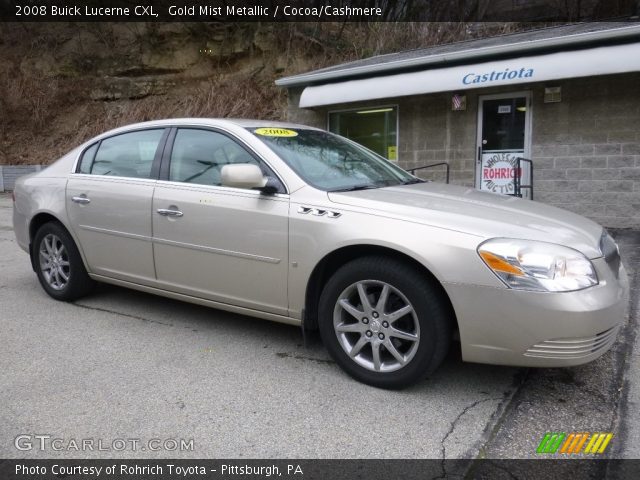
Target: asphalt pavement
124	365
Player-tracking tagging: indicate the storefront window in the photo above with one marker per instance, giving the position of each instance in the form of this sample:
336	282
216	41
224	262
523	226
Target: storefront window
374	128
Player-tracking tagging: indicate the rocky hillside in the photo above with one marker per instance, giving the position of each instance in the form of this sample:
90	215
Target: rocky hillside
61	83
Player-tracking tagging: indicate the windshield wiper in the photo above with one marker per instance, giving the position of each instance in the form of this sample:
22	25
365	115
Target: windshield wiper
412	181
355	187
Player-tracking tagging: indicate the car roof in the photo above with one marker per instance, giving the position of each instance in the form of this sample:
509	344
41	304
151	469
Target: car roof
213	122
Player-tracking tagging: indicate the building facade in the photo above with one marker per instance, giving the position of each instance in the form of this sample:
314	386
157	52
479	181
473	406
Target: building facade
566	98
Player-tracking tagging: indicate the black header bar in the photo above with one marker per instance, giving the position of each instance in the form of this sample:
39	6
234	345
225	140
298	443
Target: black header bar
309	11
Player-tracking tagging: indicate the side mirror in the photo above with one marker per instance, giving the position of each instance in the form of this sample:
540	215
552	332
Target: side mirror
242	175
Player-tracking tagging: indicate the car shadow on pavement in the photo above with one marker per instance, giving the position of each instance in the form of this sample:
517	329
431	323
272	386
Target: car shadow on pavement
287	341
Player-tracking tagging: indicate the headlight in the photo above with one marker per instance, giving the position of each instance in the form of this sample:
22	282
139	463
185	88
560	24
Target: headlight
539	266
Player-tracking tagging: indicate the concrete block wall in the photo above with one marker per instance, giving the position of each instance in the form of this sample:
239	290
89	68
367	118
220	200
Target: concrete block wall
587	149
431	133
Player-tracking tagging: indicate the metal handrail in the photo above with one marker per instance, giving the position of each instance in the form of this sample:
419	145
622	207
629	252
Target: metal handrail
446	164
517	186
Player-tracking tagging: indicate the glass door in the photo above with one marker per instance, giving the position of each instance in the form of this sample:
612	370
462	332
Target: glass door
503	136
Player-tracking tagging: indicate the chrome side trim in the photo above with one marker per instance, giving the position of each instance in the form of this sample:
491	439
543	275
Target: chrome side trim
116	233
219	251
219	189
113	179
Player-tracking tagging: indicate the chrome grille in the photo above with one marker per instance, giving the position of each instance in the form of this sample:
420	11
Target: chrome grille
573	347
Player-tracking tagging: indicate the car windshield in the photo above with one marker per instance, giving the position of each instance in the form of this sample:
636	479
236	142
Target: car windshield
330	162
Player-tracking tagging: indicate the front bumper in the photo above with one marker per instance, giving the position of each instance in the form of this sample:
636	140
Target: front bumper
533	329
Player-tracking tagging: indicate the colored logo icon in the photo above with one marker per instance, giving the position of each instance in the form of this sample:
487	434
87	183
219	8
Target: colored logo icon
583	442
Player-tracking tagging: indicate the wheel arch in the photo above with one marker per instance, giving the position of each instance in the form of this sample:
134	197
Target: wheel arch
332	261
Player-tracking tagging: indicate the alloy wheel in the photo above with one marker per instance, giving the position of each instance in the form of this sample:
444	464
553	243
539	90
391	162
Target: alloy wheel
376	325
54	262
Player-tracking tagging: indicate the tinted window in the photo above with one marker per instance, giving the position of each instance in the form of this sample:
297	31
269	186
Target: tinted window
87	159
199	155
503	124
374	128
126	155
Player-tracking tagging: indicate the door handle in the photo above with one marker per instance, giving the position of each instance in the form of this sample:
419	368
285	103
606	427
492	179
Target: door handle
166	212
82	199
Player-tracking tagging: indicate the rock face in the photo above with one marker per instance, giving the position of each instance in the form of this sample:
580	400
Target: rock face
119	88
75	80
133	61
62	83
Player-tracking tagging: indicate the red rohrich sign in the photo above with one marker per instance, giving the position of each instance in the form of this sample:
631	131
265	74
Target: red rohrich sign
500	173
499	169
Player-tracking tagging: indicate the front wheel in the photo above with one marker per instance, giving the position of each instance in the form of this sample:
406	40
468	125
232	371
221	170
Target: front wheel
384	322
58	263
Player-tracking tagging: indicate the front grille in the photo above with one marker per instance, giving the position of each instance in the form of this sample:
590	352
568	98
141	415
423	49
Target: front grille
573	347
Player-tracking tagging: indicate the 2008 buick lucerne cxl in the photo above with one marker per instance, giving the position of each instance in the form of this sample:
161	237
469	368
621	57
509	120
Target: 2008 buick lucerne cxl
294	224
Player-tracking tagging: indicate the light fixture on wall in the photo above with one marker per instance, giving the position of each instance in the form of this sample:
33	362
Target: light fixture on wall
378	110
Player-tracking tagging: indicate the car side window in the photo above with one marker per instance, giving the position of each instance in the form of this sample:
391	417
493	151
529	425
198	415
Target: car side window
87	159
125	155
199	155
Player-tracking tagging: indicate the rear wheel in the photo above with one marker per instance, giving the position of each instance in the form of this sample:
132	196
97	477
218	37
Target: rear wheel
384	322
58	263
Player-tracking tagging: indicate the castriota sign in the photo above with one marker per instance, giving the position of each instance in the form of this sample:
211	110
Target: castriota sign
494	76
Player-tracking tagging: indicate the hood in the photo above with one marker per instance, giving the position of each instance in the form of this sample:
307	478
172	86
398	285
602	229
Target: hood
471	211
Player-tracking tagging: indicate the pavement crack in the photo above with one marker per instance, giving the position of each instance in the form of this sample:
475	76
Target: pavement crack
453	426
122	314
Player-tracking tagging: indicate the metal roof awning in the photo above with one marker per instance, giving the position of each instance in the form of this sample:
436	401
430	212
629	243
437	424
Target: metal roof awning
527	69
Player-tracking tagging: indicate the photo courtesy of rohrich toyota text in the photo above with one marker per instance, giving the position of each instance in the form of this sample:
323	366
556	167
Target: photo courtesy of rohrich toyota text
319	239
156	470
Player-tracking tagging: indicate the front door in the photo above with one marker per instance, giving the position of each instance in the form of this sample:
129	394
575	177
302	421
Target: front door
503	135
228	245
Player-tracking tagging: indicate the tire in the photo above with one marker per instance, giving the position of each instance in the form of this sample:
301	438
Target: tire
58	263
414	320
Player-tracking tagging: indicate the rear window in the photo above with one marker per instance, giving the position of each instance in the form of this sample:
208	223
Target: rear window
125	155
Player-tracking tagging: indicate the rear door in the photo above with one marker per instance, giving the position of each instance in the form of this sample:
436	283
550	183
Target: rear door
109	204
225	244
